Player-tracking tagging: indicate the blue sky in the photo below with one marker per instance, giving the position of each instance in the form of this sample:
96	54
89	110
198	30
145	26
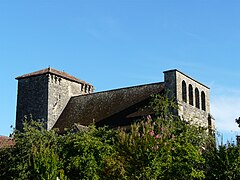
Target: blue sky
120	43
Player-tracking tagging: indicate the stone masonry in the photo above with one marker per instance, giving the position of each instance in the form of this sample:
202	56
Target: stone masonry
45	93
192	97
49	95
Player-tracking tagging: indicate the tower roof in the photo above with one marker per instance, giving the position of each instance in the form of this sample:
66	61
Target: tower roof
55	72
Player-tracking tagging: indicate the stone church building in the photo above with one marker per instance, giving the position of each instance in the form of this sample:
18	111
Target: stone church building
64	101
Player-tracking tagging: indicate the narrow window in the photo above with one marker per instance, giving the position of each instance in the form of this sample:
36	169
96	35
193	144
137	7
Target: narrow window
209	122
203	100
197	98
210	125
184	91
190	91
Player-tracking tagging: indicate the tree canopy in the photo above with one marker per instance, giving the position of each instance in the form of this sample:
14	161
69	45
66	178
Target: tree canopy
159	146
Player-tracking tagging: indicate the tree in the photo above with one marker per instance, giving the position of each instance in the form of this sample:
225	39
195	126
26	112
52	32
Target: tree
163	147
222	162
160	146
42	154
238	121
34	156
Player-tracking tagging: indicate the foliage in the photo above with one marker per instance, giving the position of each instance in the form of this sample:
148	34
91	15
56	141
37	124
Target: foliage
163	147
238	121
160	146
34	155
42	154
222	162
84	153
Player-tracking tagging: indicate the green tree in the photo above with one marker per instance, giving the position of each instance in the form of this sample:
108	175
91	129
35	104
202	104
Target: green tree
237	120
160	146
163	147
42	154
84	153
222	162
34	155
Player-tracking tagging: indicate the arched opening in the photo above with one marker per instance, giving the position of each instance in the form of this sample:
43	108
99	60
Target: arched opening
190	91
203	100
184	91
197	102
86	88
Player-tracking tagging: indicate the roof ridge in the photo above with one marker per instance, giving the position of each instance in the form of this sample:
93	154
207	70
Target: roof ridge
122	88
52	71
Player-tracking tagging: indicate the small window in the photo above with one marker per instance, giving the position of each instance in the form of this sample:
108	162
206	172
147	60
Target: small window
209	122
203	100
190	91
184	91
210	128
197	102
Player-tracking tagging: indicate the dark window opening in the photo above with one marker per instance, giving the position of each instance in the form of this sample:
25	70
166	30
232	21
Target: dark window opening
210	125
197	102
203	100
190	89
184	91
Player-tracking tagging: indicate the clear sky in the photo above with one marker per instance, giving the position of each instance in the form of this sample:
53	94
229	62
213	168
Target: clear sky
118	43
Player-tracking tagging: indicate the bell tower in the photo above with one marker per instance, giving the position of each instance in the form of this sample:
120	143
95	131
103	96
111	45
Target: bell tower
192	97
44	94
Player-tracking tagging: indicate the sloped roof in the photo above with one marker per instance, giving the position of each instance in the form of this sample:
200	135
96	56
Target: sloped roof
55	72
100	107
6	141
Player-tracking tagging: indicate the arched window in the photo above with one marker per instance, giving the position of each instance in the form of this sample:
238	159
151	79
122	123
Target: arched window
197	103
203	100
190	91
184	91
86	88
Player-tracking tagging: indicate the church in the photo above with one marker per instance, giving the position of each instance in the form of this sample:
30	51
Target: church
64	101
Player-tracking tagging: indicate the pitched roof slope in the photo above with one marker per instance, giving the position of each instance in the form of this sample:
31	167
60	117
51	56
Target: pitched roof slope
97	107
55	72
6	142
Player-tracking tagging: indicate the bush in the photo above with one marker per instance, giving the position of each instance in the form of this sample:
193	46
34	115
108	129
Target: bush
160	146
222	162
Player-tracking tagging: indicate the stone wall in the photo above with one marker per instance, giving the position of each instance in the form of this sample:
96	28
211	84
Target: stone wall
60	91
45	96
192	96
32	99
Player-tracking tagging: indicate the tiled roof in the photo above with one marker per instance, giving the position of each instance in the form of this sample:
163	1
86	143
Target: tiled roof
6	141
114	108
55	72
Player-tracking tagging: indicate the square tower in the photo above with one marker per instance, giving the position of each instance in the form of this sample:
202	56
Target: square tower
44	94
192	97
